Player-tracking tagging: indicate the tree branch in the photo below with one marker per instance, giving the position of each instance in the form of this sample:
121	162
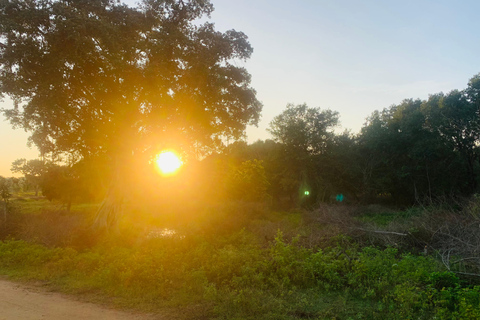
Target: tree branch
384	232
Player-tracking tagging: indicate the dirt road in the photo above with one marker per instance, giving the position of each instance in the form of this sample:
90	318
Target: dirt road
21	302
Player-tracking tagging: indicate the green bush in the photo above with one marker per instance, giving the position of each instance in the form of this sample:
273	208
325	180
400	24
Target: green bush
239	273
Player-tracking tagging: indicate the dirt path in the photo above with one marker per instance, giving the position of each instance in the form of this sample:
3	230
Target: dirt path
21	302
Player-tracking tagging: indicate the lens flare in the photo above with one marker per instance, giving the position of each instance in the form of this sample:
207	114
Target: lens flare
168	162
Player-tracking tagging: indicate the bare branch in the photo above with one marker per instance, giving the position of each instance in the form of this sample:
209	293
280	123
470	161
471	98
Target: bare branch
384	232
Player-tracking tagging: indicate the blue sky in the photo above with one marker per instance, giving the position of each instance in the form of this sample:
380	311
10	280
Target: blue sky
350	56
354	56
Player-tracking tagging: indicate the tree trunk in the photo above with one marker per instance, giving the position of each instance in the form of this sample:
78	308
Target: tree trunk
111	208
110	211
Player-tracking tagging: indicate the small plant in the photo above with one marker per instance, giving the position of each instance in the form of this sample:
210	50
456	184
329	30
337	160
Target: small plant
236	273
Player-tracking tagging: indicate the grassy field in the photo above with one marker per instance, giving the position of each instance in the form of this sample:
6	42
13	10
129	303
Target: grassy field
241	261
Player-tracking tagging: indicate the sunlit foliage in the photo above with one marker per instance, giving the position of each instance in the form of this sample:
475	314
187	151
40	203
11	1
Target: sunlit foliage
99	79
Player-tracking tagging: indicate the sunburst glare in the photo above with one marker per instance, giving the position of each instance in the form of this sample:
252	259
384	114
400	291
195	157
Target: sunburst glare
168	162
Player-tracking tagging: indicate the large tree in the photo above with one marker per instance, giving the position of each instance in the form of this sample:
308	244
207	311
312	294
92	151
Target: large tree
418	150
455	116
304	129
100	79
306	135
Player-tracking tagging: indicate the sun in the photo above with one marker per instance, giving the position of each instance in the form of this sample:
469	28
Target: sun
168	162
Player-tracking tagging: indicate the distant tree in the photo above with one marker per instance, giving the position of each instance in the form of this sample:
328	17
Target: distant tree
248	181
473	91
5	194
305	134
59	183
79	182
32	170
339	169
99	78
304	129
455	117
271	154
375	155
406	152
15	184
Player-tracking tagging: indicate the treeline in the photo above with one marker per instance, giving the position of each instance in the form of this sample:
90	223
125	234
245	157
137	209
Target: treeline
416	151
67	183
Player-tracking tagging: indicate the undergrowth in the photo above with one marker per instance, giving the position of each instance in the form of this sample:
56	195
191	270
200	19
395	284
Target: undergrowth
247	272
241	280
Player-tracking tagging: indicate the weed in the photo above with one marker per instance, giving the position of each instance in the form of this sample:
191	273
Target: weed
235	274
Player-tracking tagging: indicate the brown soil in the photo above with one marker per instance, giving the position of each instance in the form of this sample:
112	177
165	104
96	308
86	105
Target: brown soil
29	302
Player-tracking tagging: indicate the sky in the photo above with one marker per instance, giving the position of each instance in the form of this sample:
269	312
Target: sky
350	56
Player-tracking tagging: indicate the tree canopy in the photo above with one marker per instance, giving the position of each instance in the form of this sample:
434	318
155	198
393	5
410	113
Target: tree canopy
303	128
416	151
32	170
98	79
96	76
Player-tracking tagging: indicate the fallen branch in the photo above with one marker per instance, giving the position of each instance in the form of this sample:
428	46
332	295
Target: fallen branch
466	273
465	259
384	232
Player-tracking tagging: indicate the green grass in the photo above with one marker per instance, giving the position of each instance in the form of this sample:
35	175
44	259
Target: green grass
239	280
32	206
236	273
